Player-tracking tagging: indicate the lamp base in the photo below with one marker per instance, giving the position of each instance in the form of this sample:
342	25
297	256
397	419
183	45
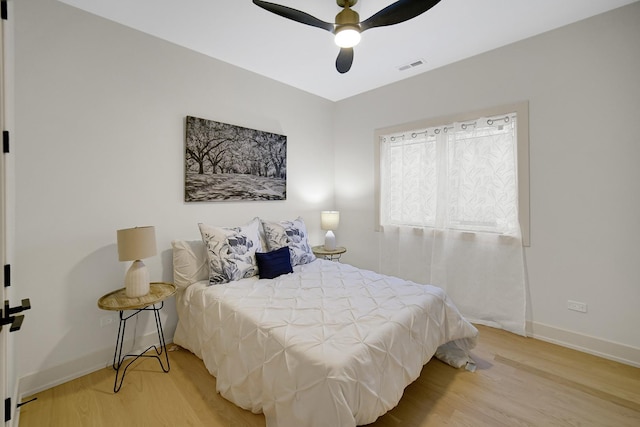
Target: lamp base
330	241
136	281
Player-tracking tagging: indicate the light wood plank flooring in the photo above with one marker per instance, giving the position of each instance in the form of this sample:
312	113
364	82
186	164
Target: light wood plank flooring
519	382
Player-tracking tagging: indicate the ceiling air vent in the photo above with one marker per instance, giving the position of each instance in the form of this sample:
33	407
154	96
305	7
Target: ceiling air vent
412	64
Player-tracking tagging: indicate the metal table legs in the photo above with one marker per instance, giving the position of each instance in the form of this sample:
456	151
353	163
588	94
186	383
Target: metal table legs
119	359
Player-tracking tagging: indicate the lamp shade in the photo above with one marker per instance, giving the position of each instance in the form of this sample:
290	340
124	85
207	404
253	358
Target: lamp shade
329	220
136	243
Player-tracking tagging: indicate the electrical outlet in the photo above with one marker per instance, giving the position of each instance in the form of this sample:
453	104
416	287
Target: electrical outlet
105	321
577	306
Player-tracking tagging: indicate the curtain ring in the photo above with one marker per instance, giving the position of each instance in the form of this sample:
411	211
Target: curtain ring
414	135
489	122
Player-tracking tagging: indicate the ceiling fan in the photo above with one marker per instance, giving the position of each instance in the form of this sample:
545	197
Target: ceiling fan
348	26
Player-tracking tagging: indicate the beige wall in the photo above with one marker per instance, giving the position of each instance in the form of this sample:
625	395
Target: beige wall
583	89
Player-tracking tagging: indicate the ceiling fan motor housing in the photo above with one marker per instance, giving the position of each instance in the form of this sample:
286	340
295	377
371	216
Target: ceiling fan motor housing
347	18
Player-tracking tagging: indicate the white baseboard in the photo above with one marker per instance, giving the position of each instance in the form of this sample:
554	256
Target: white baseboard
43	380
585	343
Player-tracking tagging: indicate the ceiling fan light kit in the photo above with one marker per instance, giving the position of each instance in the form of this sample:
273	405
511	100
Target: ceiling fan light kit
347	36
347	26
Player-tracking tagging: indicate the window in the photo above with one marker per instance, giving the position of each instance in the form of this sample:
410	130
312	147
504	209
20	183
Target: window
468	174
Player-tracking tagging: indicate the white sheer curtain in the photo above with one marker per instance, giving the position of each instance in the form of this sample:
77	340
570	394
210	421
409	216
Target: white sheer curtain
449	216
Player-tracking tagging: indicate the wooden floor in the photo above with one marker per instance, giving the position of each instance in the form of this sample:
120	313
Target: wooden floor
519	382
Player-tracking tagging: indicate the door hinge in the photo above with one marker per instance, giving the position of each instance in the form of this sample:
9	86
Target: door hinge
4	9
5	141
7	275
7	404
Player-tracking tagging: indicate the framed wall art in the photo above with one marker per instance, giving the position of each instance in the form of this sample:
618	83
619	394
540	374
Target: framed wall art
224	162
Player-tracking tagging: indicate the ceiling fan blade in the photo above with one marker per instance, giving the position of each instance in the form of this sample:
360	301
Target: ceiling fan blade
397	12
295	15
344	60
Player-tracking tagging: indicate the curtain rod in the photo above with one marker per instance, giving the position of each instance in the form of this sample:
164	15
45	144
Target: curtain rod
445	129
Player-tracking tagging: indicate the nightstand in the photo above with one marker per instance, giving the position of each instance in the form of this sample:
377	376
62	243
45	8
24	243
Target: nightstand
153	301
331	255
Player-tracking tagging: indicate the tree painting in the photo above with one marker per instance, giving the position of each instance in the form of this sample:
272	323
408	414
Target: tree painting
224	162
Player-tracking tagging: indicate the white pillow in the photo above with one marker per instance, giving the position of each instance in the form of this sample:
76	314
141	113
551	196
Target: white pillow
190	263
292	234
231	251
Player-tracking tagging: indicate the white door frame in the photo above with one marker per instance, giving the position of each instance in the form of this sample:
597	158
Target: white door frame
3	234
7	351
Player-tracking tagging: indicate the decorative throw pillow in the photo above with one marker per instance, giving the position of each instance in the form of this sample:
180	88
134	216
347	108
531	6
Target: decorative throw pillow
292	234
231	251
275	263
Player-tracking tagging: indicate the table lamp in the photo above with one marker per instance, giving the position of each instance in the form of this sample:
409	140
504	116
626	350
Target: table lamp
134	244
329	221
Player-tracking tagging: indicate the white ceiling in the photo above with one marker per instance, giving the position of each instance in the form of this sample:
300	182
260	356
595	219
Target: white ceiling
242	34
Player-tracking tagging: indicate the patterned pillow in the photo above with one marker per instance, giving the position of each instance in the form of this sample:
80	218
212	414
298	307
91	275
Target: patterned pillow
231	251
292	234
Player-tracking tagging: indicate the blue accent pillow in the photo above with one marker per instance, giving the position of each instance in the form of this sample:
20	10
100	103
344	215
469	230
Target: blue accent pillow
273	264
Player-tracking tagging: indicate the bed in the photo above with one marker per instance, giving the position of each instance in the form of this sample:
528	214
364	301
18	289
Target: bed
324	344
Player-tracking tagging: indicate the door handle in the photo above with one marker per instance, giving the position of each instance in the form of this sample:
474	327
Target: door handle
7	316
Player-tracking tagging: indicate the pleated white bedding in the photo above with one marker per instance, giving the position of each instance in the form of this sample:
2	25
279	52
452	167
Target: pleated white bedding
328	345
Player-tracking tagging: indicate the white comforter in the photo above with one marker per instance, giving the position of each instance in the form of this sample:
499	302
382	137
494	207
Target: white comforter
328	345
